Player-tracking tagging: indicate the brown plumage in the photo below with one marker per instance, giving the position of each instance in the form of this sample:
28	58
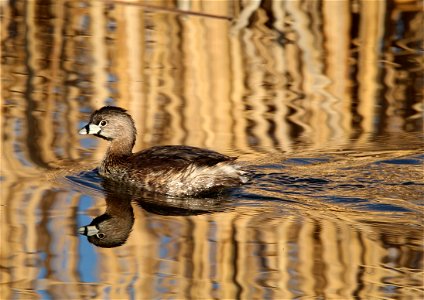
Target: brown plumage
174	170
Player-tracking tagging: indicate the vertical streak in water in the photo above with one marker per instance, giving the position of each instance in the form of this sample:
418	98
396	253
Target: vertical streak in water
98	38
175	52
32	134
305	263
371	34
294	89
196	83
333	273
66	136
337	22
393	122
237	94
283	263
153	71
255	93
282	130
134	33
173	86
307	25
238	263
87	266
201	286
217	47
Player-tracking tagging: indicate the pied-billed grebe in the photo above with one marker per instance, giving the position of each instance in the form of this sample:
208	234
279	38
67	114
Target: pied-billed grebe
173	170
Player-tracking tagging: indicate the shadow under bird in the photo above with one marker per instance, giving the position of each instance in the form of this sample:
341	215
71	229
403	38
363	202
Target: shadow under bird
113	227
174	170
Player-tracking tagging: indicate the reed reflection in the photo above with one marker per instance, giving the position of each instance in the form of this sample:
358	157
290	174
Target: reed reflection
349	78
113	227
335	80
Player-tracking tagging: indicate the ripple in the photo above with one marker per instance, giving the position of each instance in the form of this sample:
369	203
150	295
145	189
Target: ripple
87	179
404	161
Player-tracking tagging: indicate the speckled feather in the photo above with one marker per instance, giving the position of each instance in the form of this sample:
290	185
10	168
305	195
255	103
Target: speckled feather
173	170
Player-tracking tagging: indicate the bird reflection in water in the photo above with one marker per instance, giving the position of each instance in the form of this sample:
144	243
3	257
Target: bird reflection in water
113	228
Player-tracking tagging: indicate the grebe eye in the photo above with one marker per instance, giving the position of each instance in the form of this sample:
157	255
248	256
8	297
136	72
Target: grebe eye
103	123
100	235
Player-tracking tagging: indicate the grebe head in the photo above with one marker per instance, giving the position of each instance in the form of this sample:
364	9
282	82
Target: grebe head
111	123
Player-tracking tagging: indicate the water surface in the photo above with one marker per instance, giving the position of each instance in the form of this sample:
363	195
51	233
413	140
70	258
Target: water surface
322	102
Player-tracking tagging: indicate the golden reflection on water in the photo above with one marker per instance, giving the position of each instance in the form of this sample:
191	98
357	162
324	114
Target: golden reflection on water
284	76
